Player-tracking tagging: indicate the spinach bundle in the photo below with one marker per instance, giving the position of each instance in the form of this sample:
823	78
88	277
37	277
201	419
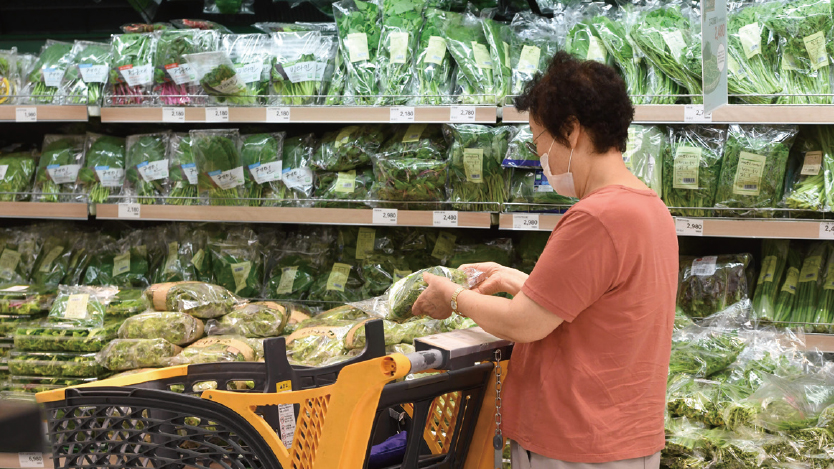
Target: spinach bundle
147	164
805	177
341	282
129	354
85	78
691	167
359	39
412	165
220	79
131	72
53	261
182	173
583	40
532	187
261	154
252	57
297	173
18	171
61	158
711	284
810	280
174	80
44	79
518	155
123	265
353	185
752	53
467	43
433	64
774	257
349	147
805	29
177	328
401	22
753	171
534	42
219	165
104	167
611	30
304	61
476	178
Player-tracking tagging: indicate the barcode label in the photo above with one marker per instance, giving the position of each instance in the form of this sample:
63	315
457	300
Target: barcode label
689	180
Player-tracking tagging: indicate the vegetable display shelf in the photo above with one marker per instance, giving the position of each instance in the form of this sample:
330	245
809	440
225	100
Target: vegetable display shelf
45	113
323	216
61	211
303	114
729	114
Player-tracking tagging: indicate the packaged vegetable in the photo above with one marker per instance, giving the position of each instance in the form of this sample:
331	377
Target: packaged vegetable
499	36
359	28
216	349
612	29
177	328
297	172
786	297
200	24
55	364
403	294
691	168
316	343
349	147
774	257
124	264
147	166
128	354
352	185
229	7
103	169
711	284
220	79
401	23
476	179
253	320
252	57
18	176
340	282
412	165
220	167
61	158
61	337
805	177
127	302
44	79
809	285
262	155
131	72
534	42
174	80
753	53
643	154
81	306
467	43
9	76
86	77
238	266
201	300
532	189
304	62
702	352
518	155
433	65
824	318
182	172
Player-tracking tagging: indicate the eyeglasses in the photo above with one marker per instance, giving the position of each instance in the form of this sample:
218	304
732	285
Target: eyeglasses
532	145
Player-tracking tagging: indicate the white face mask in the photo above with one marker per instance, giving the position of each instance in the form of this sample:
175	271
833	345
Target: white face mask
561	183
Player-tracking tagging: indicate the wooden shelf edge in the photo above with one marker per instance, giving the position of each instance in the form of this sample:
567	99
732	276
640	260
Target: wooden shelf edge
547	221
65	211
46	113
12	461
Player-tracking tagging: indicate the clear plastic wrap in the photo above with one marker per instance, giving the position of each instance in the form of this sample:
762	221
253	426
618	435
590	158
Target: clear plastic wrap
304	63
43	81
252	56
643	154
805	177
52	263
691	168
129	354
476	179
532	187
612	29
124	264
412	166
127	302
216	349
711	284
320	342
340	282
61	158
253	320
297	172
217	154
262	155
220	79
359	41
174	80
498	250
518	155
182	172
9	76
205	25
499	36
809	286
177	328
145	27
703	352
753	56
177	264
103	169
146	160
55	364
782	309
81	306
86	77
401	23
433	65
352	185
48	337
824	319
582	38
229	7
349	147
468	45
18	175
297	263
753	170
238	266
131	72
201	300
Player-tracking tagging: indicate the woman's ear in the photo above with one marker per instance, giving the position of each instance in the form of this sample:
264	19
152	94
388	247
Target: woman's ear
573	136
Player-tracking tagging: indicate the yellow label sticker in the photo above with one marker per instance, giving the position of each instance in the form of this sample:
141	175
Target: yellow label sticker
240	272
435	51
529	59
751	39
346	181
173	256
283	386
596	50
401	274
815	45
812	163
473	164
53	254
768	270
414	132
829	277
810	269
398	47
445	245
365	242
481	53
338	277
197	259
732	65
77	306
748	179
687	165
790	281
121	264
8	263
358	47
287	280
343	136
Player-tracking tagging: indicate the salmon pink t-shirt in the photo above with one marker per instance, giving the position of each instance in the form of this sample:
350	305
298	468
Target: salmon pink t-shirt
594	390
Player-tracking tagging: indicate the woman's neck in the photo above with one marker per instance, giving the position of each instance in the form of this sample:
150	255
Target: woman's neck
601	170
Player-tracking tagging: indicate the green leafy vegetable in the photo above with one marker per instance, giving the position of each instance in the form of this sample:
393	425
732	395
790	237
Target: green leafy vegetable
104	166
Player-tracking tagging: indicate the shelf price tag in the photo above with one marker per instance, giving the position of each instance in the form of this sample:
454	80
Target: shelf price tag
173	114
129	210
523	221
695	113
30	459
385	216
26	114
277	114
827	230
445	219
462	114
689	227
217	114
401	114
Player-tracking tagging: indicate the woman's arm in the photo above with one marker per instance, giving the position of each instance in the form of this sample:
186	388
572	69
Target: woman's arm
499	279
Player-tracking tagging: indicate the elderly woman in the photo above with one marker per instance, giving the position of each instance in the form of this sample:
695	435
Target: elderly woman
592	324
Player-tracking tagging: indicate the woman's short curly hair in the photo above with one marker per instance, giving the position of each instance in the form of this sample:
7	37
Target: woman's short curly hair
574	90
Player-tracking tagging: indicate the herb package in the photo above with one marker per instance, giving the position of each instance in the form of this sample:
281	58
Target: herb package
174	79
9	76
46	337
81	306
229	7
253	320
131	73
433	65
468	45
532	187
518	155
403	294
644	149
401	23
304	61
298	262
201	300
123	264
753	171
412	165
711	284
786	297
205	25
216	349
182	171
753	54
18	176
339	282
336	87
583	40
809	286
353	185
805	176
252	56
128	301
349	147
219	165
611	28
87	75
691	168
61	158
55	364
129	354
297	171
262	155
703	352
476	179
825	138
53	261
220	79
103	169
238	266
177	328
359	42
44	80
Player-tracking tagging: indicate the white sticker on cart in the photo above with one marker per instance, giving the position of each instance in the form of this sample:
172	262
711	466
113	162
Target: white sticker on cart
30	459
705	266
286	416
151	171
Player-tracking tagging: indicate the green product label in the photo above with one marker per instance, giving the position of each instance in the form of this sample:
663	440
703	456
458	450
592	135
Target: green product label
473	164
789	63
751	39
810	269
445	245
121	264
240	272
346	182
398	47
358	47
197	259
529	59
815	45
435	51
46	266
687	165
481	53
790	281
748	179
414	132
365	242
596	50
732	65
338	277
287	280
8	263
173	255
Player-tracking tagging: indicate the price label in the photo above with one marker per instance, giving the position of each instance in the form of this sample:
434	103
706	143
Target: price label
129	210
462	114
173	114
689	227
26	114
827	230
385	216
277	114
30	459
402	114
217	114
523	221
445	218
695	113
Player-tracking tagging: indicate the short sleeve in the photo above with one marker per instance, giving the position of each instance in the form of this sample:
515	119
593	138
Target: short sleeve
579	264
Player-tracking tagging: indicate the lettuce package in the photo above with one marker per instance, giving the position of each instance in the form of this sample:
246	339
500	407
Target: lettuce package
216	349
129	354
177	328
60	337
201	300
252	320
81	306
55	364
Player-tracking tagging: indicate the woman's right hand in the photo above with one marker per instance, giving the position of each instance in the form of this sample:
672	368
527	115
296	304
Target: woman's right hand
498	278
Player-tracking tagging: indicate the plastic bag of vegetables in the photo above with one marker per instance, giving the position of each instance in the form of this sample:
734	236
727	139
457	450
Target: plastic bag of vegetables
774	257
220	79
351	185
128	354
123	264
52	263
216	349
359	28
433	65
86	77
402	295
131	69
518	155
711	284
18	176
147	166
805	177
412	165
476	179
103	169
61	158
81	306
61	337
239	267
612	29
319	342
583	40
499	36
229	7
476	60
55	364
691	168
182	172
499	250
809	286
340	283
127	302
644	150
349	147
174	80
303	64
297	263
753	170
401	23
703	352
44	79
219	165
753	53
177	328
532	189
824	319
782	309
9	76
253	320
201	300
252	57
297	172
261	154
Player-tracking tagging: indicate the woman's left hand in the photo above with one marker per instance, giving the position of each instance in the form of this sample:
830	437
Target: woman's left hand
436	300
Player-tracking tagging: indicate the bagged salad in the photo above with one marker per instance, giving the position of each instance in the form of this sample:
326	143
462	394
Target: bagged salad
174	79
201	300
711	284
262	155
433	65
219	165
476	178
219	78
61	158
216	349
359	28
304	62
254	320
252	57
177	328
129	354
146	160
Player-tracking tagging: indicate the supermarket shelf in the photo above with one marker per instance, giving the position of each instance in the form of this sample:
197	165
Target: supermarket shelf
46	113
822	342
323	216
546	221
13	461
65	211
733	113
299	114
